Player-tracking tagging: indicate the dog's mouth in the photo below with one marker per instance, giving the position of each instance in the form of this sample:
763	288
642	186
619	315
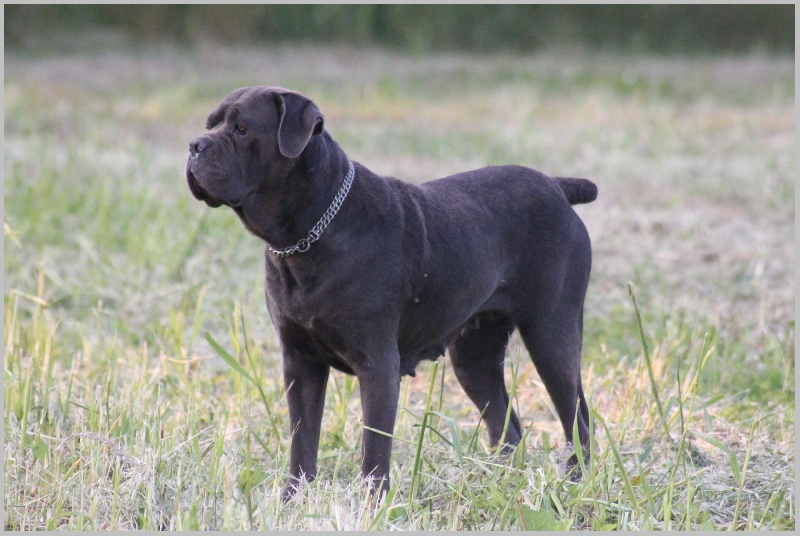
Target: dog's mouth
199	192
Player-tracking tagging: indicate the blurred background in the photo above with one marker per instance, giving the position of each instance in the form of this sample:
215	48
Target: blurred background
642	28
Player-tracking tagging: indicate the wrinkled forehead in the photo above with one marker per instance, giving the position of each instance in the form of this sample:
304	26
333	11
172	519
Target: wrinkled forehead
255	103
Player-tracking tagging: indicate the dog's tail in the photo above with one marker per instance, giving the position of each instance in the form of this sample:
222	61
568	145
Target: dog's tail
578	191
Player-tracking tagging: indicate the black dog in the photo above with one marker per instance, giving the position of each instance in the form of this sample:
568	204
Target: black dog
369	275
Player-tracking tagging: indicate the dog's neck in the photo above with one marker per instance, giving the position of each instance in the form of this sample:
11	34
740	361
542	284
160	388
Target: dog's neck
285	214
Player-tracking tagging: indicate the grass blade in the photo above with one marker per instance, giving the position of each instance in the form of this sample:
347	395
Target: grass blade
234	364
736	510
455	440
625	476
577	445
228	358
418	455
649	362
380	515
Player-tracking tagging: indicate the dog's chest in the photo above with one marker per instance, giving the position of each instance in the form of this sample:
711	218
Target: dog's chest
319	345
311	316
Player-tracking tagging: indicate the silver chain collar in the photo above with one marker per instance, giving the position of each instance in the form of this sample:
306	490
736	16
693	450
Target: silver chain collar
313	235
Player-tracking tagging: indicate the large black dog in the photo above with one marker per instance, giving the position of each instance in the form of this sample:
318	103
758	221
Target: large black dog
369	275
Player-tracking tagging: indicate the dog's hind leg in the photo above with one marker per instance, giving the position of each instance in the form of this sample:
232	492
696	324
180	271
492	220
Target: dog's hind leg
555	350
477	356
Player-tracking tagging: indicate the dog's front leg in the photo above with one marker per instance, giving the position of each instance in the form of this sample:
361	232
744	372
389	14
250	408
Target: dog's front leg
305	383
380	389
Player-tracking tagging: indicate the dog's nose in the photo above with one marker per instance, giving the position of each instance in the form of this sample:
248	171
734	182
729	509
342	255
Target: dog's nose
198	145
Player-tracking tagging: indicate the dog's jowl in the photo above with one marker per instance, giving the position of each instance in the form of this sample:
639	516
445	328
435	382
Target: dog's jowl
369	274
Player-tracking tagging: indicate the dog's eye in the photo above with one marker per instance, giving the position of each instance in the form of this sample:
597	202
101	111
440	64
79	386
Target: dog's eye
240	129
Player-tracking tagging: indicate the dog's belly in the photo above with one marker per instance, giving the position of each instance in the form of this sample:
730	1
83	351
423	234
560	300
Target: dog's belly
410	360
427	329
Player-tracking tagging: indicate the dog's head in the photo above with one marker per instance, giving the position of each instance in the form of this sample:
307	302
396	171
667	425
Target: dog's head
253	137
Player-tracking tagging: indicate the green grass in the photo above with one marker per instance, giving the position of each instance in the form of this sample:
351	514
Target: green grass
142	383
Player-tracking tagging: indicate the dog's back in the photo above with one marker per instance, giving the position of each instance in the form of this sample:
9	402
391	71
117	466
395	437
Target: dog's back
501	188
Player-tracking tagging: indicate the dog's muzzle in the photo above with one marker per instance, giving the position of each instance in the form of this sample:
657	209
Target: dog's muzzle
195	187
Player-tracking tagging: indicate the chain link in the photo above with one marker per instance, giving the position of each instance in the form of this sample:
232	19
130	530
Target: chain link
313	235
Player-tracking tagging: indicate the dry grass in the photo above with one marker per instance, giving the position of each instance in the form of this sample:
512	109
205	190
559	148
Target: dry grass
119	415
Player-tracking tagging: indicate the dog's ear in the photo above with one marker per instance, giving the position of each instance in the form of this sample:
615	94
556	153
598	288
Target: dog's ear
216	117
300	119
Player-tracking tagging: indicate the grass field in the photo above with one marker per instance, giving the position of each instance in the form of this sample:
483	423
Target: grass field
119	413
